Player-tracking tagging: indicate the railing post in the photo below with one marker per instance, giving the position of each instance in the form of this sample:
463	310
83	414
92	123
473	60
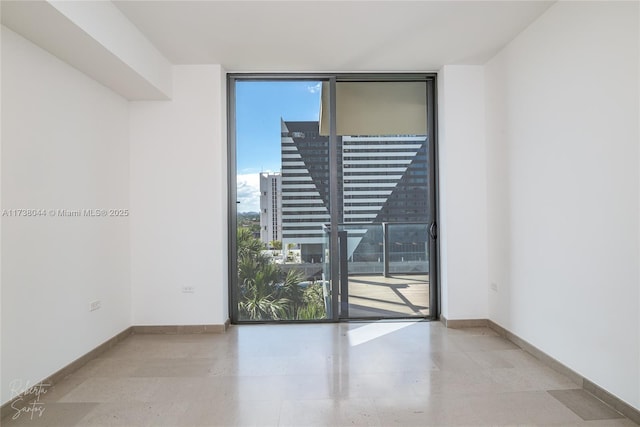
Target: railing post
385	248
344	275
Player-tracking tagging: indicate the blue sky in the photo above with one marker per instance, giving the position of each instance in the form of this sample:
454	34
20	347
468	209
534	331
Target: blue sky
259	107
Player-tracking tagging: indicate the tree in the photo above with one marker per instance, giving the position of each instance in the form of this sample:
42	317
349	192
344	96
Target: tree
292	292
276	244
313	303
257	279
259	299
248	246
266	292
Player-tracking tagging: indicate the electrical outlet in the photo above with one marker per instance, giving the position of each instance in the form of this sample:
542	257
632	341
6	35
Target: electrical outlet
188	289
95	305
494	286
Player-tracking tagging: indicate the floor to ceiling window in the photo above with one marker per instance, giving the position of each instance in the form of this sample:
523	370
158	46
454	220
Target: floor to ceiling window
333	197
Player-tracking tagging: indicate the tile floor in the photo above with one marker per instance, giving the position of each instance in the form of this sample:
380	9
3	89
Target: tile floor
349	374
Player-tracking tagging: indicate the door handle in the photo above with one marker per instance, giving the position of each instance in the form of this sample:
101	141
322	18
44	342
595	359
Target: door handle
433	230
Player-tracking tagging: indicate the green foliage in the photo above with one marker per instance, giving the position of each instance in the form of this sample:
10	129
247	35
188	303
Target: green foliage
266	292
313	304
292	291
248	246
311	312
313	295
276	244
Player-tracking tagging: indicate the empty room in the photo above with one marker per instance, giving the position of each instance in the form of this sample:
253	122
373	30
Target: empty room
333	213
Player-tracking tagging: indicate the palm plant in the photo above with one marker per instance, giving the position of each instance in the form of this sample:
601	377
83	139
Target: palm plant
247	244
265	292
258	279
259	293
291	290
313	303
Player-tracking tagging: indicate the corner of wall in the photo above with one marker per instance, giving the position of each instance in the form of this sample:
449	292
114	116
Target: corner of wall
463	204
179	202
562	163
65	158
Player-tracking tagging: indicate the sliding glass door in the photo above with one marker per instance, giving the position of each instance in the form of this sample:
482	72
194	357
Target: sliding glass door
333	197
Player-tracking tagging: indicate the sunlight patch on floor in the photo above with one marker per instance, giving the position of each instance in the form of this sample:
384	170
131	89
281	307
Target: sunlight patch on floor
375	330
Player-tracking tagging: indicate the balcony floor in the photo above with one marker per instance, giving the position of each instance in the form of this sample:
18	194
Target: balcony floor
388	297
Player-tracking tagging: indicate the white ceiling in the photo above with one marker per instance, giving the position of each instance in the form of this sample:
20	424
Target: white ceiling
331	35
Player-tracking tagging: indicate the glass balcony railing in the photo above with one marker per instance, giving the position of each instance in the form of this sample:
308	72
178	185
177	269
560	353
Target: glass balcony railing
386	248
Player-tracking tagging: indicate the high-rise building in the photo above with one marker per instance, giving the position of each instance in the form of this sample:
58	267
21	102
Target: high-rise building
381	179
305	188
385	178
270	207
385	181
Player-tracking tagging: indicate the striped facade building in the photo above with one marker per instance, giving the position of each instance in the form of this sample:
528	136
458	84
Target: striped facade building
381	179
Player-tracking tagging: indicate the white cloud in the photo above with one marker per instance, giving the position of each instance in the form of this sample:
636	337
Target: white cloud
314	88
248	192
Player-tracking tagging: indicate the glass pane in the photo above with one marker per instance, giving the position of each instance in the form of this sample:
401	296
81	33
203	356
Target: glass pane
282	190
286	258
385	201
365	252
408	249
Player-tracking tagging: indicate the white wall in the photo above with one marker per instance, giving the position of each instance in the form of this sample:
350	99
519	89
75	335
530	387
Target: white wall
563	189
97	39
179	202
64	146
463	192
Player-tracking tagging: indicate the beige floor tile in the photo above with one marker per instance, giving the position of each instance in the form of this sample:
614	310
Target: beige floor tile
381	361
404	412
212	350
141	349
457	383
527	408
232	413
178	389
356	412
520	359
315	387
313	364
244	388
490	359
49	415
128	414
530	379
372	385
103	390
108	367
191	367
585	405
253	365
358	373
60	389
329	412
441	342
454	361
505	408
483	343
